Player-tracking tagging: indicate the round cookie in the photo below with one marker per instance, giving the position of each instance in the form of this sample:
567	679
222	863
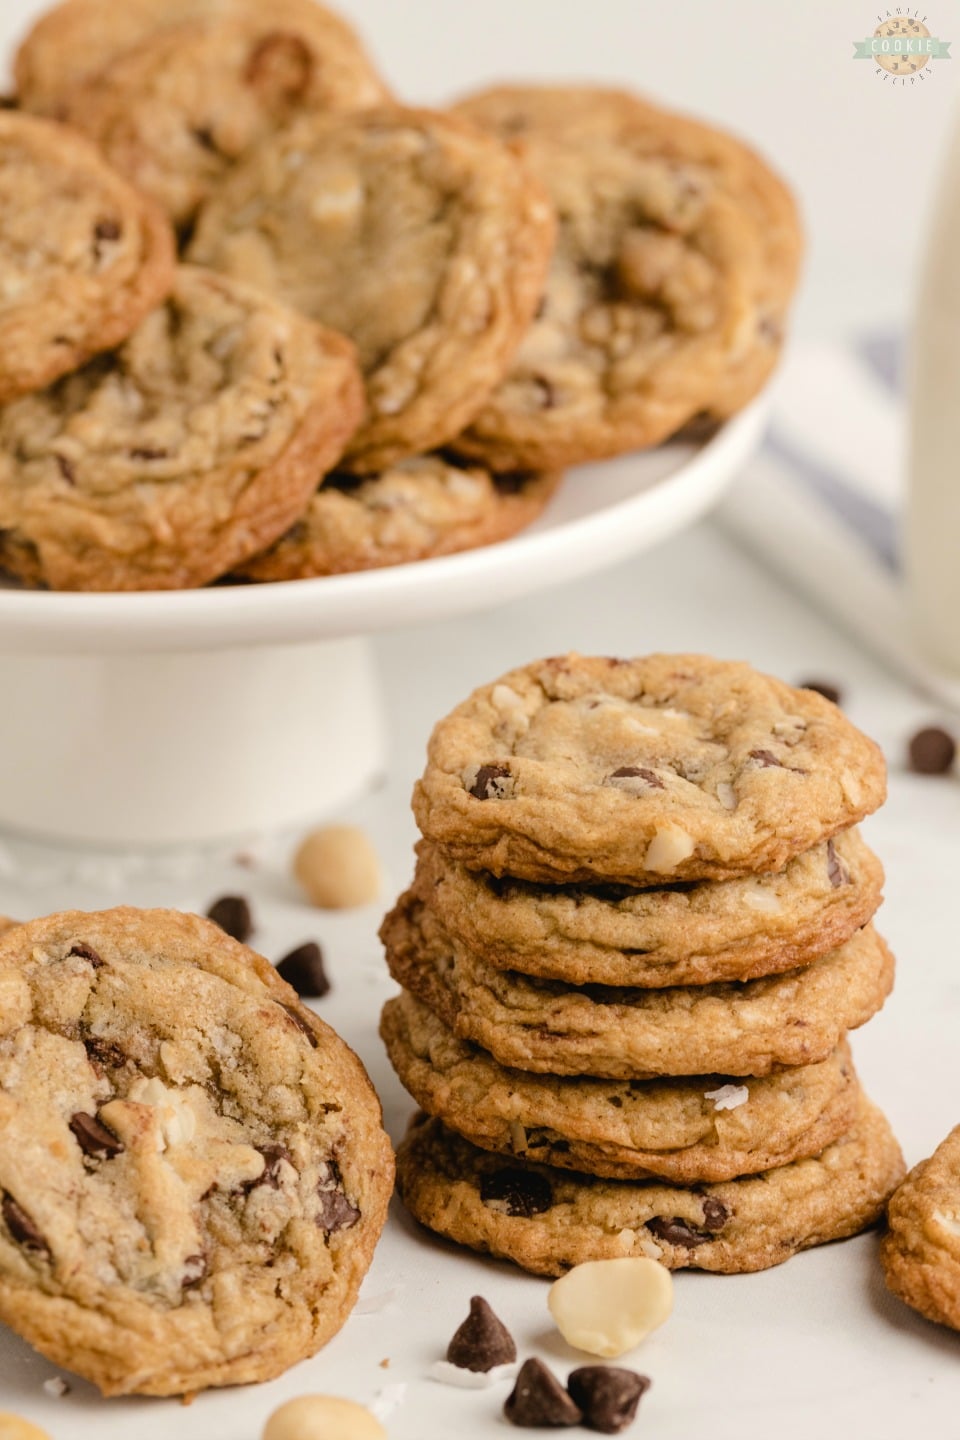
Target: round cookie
689	934
921	1250
550	1028
193	1171
549	1220
686	1130
677	254
72	43
419	508
663	768
167	462
415	234
179	111
83	257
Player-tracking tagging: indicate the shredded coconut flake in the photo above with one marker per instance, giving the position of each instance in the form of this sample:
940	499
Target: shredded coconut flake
449	1374
388	1399
56	1386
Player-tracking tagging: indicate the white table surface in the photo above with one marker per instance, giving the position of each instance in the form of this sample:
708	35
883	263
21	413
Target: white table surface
813	1347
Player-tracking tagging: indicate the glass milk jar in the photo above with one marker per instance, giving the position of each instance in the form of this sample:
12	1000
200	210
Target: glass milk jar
932	551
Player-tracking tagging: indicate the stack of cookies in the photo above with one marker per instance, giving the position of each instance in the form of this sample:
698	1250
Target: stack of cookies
638	934
539	277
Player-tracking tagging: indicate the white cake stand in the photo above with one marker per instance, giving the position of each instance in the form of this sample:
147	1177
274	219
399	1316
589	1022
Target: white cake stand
164	718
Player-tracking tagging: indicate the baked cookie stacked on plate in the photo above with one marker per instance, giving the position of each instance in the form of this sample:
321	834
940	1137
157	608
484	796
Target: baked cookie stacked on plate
536	278
637	936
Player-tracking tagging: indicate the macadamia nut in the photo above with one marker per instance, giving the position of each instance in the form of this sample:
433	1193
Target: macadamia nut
322	1417
337	867
13	1427
606	1307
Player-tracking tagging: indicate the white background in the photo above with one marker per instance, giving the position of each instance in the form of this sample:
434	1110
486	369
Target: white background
815	1347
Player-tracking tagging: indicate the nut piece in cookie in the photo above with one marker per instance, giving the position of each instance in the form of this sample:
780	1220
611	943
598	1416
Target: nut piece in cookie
642	771
178	111
167	462
921	1250
193	1173
418	508
83	256
415	234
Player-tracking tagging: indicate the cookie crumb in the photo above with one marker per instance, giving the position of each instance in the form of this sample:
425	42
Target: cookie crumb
337	867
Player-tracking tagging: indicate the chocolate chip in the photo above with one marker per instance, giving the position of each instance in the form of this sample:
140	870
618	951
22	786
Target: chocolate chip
147	452
516	1192
676	1232
829	691
607	1396
546	393
512	482
66	469
303	969
538	1400
205	138
104	1052
336	1211
85	952
636	772
837	872
302	1023
232	914
489	782
194	1270
280	63
482	1341
108	230
715	1213
94	1138
932	751
21	1227
273	1157
766	759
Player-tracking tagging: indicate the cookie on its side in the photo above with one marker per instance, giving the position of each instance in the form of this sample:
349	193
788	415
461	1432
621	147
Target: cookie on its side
179	111
687	1130
416	509
169	461
677	254
550	1028
693	933
921	1250
419	236
72	43
83	256
549	1220
643	772
193	1170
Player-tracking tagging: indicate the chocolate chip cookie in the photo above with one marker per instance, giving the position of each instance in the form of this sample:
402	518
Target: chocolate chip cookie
547	1220
921	1251
677	254
83	257
551	1028
646	771
179	111
72	44
686	1130
193	1172
691	933
416	509
169	461
420	237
